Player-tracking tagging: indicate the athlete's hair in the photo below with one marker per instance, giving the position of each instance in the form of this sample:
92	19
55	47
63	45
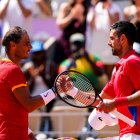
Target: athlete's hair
14	34
126	28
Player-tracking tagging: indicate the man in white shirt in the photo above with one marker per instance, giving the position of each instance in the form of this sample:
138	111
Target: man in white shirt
17	13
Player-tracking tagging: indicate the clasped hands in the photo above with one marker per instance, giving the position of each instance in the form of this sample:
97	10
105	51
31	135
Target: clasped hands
64	83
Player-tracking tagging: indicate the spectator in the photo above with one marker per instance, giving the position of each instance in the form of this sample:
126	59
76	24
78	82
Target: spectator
132	14
80	60
71	19
45	7
136	45
102	15
22	13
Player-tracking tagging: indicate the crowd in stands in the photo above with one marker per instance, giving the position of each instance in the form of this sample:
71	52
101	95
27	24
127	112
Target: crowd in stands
82	44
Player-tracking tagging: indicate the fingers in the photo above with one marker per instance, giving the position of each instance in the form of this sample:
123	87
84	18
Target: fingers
63	78
64	83
100	106
106	106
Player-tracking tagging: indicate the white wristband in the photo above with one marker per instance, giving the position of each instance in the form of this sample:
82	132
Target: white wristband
72	92
48	96
29	131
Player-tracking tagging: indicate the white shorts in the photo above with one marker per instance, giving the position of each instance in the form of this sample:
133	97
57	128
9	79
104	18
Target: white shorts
130	136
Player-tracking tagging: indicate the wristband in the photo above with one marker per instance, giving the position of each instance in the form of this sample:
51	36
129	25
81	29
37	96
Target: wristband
72	92
29	131
123	101
48	96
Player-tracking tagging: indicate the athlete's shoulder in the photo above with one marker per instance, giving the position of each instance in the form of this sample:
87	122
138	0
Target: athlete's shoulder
133	61
9	67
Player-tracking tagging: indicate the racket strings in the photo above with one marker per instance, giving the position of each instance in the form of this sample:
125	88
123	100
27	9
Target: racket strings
65	96
86	100
86	88
83	85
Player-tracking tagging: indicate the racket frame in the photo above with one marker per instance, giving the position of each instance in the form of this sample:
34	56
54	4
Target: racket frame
86	106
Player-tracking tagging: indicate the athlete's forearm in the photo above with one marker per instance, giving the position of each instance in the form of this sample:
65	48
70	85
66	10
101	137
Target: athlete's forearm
3	10
134	99
83	97
26	12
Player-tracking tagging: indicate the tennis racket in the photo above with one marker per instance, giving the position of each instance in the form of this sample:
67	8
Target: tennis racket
87	93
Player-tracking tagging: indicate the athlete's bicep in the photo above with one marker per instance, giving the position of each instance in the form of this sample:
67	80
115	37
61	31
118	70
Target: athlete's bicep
30	103
22	94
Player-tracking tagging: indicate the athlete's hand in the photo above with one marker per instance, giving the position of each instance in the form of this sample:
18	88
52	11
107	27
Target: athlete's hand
64	83
106	106
32	137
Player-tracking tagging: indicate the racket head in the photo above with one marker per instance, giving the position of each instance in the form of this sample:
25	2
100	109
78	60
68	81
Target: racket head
82	83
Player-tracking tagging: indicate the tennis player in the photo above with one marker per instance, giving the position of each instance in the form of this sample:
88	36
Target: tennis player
123	89
15	99
124	86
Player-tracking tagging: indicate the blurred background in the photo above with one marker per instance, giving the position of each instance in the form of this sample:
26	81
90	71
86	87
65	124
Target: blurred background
59	46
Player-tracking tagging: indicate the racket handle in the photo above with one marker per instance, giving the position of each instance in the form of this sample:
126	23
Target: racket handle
123	118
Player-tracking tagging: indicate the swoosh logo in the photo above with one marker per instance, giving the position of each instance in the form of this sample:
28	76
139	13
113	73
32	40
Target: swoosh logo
99	118
46	94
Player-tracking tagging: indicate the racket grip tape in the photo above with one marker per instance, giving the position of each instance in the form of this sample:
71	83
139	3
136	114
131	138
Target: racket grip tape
123	118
